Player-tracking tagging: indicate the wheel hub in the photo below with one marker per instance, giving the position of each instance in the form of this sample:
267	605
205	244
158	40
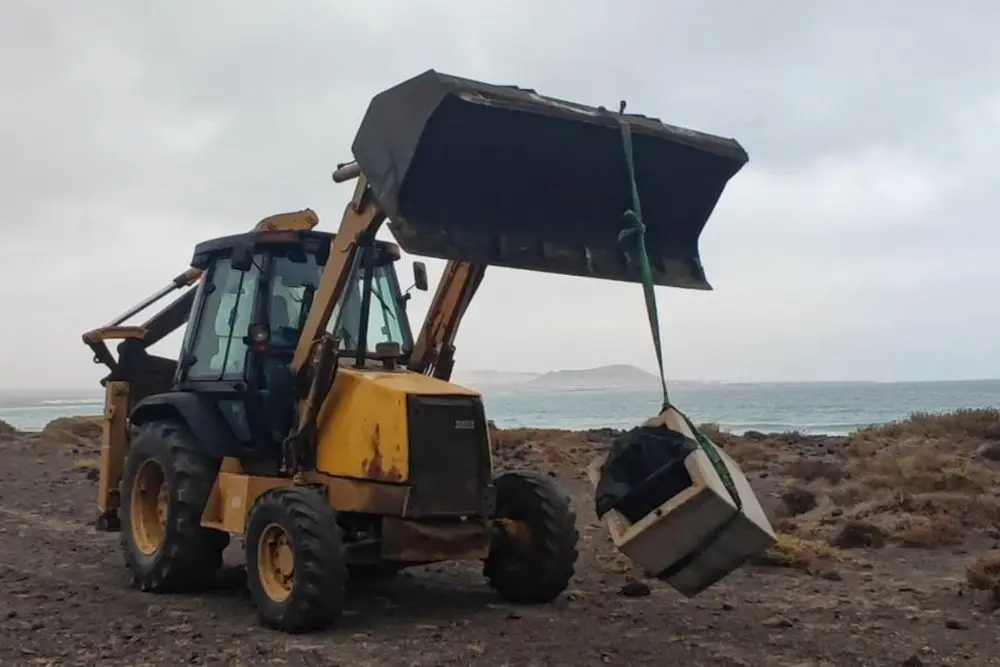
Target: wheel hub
516	531
276	563
150	505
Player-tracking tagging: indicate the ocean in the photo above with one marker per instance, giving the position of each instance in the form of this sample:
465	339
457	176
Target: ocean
822	408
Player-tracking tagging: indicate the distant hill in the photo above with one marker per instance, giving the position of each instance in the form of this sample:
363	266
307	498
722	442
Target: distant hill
616	376
621	376
491	378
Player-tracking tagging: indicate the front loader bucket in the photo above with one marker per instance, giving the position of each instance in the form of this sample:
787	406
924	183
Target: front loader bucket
500	175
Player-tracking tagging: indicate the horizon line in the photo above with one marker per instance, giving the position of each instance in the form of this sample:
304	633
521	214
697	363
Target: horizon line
98	390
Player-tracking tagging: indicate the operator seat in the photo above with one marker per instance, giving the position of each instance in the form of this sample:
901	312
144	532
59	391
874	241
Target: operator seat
281	324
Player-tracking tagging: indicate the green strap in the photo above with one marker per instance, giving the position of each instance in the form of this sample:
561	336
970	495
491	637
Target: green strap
637	229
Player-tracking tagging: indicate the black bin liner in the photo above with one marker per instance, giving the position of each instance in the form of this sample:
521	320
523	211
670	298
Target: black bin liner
500	175
643	470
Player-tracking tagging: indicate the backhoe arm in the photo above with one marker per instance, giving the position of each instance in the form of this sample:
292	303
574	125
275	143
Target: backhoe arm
130	381
175	315
315	359
433	353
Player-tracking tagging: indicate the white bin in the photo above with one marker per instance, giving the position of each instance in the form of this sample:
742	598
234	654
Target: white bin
682	524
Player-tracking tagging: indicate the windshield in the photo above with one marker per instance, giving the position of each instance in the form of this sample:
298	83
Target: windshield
386	320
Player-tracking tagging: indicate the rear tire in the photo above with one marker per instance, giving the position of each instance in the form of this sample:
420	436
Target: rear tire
164	489
536	567
296	561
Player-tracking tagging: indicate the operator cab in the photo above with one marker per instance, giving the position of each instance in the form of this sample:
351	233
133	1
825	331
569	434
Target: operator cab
249	311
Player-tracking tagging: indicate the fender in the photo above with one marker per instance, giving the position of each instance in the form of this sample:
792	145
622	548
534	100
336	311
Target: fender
215	438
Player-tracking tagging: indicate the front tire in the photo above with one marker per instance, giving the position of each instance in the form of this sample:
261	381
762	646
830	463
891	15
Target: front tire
296	561
164	489
533	554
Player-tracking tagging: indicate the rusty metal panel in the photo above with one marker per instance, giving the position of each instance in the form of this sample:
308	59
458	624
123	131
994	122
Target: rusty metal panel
232	497
353	495
430	541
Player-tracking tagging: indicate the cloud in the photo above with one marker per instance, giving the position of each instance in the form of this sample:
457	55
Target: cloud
858	242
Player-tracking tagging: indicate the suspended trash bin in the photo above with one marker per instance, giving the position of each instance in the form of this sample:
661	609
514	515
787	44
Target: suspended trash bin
670	508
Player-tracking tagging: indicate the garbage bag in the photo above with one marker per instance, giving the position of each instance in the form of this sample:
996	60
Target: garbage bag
643	470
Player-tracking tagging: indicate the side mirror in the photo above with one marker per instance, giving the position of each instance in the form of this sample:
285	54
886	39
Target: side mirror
420	276
419	282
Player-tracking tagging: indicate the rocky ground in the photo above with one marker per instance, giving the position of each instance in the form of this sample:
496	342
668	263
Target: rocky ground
886	557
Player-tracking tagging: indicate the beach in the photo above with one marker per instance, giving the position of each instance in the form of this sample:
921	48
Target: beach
885	557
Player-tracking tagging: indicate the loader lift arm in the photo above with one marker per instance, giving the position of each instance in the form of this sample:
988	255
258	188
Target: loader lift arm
361	220
434	351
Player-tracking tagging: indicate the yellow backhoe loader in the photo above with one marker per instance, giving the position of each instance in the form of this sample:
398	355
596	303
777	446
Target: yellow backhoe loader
301	413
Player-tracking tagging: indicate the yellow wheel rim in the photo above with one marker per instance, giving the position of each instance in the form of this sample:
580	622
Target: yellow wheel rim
517	532
276	563
149	507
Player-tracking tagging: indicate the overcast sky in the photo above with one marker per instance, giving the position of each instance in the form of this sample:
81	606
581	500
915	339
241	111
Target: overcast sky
860	242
